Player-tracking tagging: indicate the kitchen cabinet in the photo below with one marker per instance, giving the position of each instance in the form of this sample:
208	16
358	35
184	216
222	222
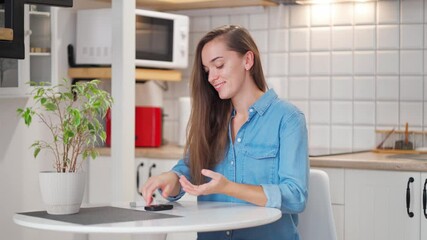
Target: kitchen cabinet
375	205
423	215
147	167
100	175
337	186
40	60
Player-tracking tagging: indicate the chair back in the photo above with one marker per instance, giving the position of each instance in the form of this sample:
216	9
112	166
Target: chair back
317	221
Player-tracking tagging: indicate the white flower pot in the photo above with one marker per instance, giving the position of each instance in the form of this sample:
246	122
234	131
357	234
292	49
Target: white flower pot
62	193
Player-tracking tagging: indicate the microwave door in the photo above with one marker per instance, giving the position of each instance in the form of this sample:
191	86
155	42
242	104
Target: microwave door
154	39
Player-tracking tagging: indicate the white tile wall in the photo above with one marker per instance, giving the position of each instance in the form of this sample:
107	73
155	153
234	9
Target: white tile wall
364	113
320	63
320	39
350	67
412	113
342	14
411	62
388	12
342	137
342	63
299	39
342	88
412	11
364	63
342	38
411	88
342	112
298	88
320	112
364	88
320	88
320	15
388	62
279	40
388	36
411	36
298	64
387	88
364	37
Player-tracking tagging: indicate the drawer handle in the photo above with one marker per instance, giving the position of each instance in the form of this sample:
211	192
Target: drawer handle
425	199
137	178
408	197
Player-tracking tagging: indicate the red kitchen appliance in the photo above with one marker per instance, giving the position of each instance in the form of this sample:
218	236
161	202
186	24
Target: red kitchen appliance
148	127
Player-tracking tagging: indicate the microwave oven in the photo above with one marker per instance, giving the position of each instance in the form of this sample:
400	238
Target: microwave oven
161	39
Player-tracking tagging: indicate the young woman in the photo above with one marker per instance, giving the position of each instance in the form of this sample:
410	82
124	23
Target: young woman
244	144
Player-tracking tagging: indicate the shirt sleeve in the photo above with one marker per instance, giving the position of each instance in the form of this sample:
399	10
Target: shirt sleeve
290	195
181	168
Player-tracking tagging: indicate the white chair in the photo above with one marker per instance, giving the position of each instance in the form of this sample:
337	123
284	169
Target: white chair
317	221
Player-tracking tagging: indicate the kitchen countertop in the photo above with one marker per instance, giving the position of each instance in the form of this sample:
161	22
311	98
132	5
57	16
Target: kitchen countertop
364	160
371	160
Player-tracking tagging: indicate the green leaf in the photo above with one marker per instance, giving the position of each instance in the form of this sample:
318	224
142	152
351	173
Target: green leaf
103	136
94	154
27	118
50	106
36	152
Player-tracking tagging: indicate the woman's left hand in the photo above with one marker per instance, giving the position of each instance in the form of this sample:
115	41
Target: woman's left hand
217	184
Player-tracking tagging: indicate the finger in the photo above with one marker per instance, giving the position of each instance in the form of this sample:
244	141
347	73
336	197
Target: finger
183	180
187	186
149	192
210	173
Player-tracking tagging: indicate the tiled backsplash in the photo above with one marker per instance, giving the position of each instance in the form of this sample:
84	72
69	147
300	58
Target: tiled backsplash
350	67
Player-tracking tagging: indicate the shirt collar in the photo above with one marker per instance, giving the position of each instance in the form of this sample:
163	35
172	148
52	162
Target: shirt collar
262	104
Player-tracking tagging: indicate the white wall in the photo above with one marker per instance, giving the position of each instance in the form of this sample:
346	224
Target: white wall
18	169
351	67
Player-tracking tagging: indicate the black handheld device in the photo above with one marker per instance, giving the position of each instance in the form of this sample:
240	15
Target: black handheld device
158	207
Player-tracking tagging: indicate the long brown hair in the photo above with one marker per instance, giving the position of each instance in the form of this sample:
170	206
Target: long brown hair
207	128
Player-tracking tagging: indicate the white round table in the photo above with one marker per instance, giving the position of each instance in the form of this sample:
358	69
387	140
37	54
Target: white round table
195	217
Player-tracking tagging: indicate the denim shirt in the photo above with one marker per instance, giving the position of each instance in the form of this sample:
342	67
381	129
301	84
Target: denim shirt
270	150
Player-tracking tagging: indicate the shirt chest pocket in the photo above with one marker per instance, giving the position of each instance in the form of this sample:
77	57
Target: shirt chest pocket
260	164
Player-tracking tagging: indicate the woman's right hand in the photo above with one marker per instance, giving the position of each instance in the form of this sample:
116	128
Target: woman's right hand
168	182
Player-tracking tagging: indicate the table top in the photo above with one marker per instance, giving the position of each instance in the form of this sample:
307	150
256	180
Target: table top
195	217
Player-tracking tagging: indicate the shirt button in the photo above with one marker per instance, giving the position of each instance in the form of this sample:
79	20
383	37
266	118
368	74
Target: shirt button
232	162
228	233
251	110
239	140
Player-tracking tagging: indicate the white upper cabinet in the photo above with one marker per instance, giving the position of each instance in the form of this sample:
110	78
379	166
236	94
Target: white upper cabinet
40	61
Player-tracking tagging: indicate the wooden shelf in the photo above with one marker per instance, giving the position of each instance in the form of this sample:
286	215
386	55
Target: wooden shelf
6	34
170	5
141	74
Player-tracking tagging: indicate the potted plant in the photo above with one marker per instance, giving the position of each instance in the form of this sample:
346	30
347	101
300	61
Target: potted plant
71	114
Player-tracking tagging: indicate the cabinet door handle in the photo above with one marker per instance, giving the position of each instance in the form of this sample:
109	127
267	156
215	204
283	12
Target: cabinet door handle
150	174
408	197
137	178
425	198
149	170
